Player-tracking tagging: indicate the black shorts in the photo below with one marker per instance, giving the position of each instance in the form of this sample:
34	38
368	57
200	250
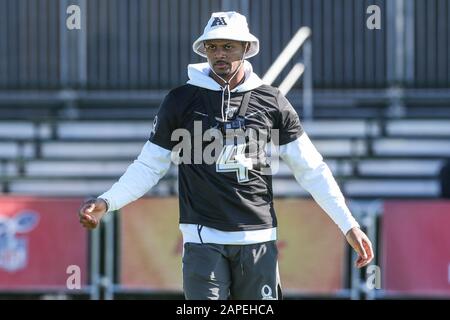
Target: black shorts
238	272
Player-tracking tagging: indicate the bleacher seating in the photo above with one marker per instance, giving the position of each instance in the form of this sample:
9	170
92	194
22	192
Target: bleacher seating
91	149
15	149
388	188
412	147
370	157
97	130
342	128
423	127
75	186
75	168
23	130
399	167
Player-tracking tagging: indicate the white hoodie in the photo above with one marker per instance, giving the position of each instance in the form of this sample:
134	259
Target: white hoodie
199	76
301	156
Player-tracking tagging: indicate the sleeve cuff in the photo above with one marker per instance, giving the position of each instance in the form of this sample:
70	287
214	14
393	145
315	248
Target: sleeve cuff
108	203
348	225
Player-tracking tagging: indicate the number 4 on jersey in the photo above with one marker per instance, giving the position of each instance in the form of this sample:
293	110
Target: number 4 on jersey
232	159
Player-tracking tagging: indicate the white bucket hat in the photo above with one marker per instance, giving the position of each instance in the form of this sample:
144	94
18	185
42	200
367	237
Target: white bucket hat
230	26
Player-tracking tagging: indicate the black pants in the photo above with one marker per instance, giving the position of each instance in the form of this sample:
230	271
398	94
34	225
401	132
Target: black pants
238	272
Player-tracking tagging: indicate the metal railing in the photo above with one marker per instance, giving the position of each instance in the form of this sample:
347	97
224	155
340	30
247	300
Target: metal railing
302	38
367	214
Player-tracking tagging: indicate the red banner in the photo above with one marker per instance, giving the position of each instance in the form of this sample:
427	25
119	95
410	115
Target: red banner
311	247
416	247
40	239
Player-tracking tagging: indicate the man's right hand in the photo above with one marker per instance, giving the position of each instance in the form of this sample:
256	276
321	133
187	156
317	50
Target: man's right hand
91	212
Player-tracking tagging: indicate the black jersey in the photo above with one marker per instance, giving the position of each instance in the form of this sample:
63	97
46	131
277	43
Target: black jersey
225	195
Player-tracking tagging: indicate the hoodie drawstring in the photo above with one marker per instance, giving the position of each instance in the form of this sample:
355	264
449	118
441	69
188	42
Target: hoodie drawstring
227	87
199	231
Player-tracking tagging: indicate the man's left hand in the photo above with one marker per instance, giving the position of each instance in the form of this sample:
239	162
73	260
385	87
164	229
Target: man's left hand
361	244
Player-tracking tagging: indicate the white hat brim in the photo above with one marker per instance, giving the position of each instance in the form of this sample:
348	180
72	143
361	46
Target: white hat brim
199	48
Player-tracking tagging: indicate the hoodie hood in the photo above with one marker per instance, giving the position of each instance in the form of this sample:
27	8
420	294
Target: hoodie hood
198	74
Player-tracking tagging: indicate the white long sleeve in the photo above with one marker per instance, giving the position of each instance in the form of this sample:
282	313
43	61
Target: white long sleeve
313	174
145	172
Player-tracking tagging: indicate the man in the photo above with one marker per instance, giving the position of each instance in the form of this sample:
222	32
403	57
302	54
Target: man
226	207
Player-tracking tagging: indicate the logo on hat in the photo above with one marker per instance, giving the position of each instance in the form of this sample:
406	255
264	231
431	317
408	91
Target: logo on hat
218	21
